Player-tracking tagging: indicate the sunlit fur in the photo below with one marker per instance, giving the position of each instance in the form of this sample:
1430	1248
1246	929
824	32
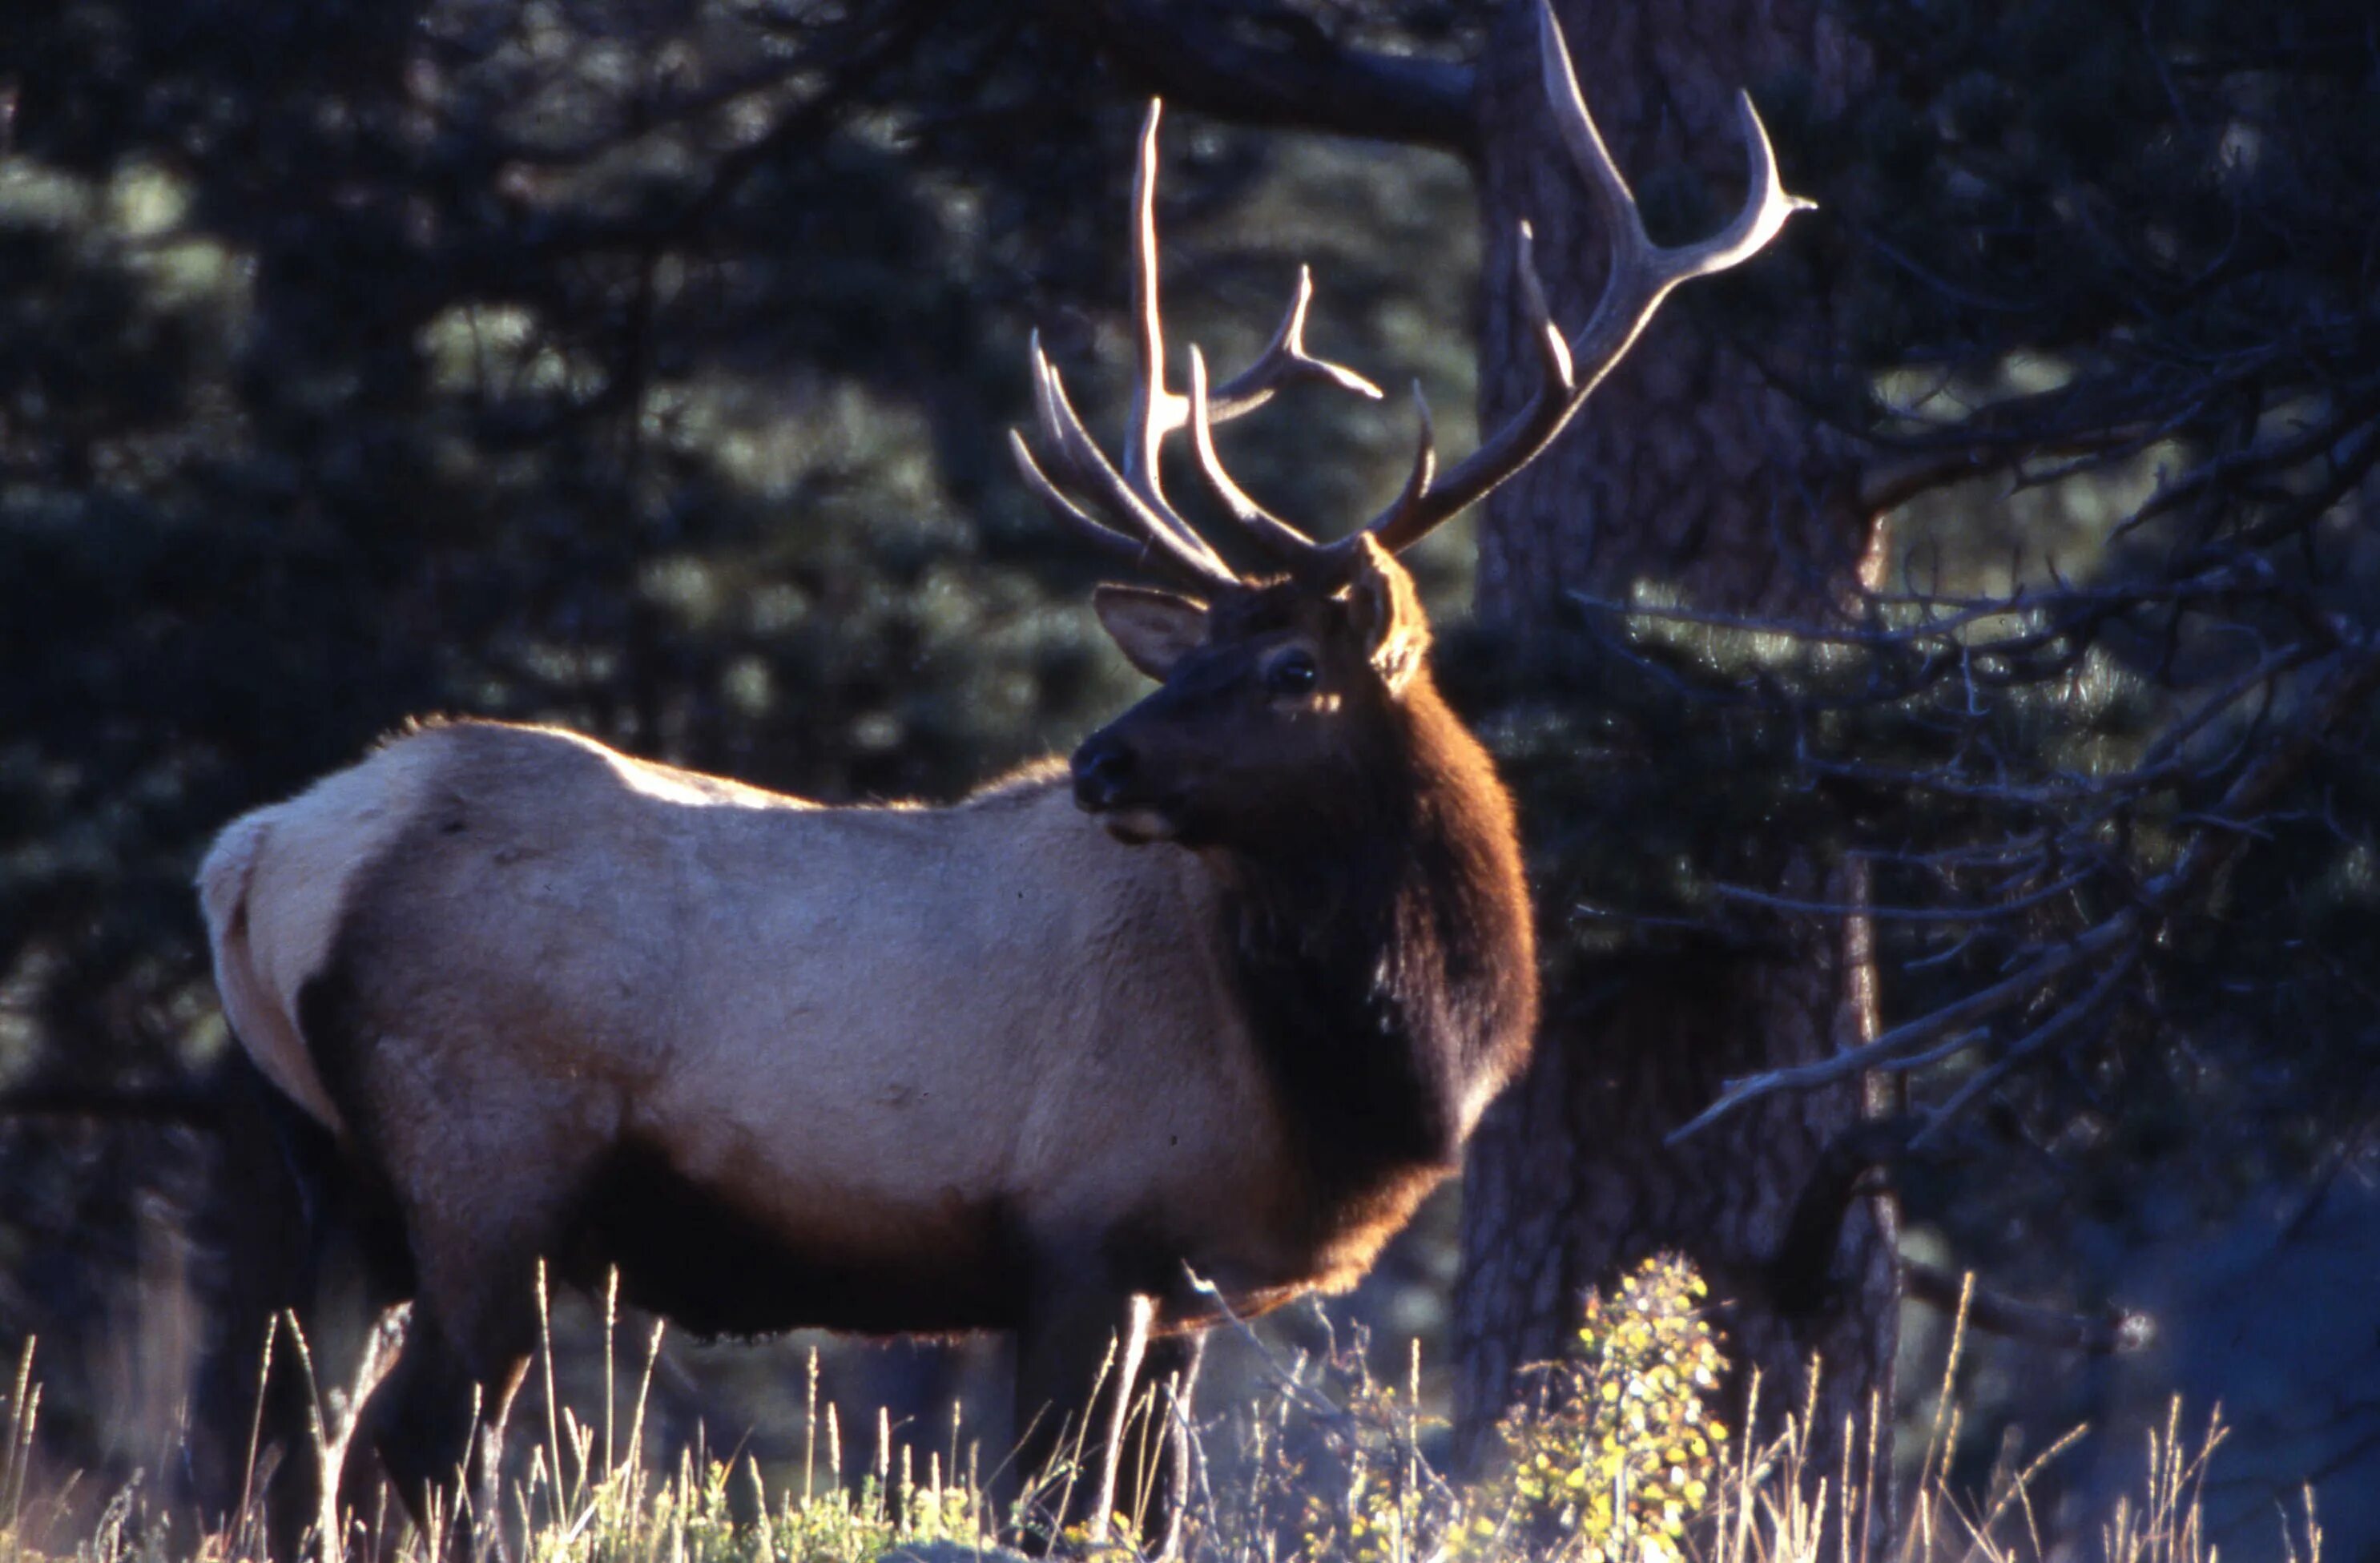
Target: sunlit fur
979	1067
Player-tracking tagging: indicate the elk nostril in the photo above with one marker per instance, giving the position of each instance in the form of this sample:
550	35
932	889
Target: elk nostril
1101	768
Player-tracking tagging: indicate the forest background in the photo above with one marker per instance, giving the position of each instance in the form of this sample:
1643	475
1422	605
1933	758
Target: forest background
646	368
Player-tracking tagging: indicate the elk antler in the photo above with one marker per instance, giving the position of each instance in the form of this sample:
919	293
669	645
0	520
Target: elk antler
1136	521
1642	275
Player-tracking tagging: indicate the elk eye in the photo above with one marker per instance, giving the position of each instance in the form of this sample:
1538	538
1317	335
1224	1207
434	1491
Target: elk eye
1291	673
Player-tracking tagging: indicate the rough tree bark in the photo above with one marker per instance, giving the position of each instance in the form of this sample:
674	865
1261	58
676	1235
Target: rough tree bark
1686	471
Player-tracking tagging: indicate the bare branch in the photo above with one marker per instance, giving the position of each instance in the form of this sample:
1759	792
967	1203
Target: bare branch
1957	1015
1998	909
2068	1019
2113	1333
1184	52
2113	945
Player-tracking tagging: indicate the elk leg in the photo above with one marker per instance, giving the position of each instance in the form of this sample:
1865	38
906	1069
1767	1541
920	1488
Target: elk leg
429	1429
483	1195
1077	1354
1102	1402
1154	1468
440	1414
418	1422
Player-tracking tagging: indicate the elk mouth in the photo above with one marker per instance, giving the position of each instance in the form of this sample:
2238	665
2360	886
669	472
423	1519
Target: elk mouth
1135	821
1112	786
1137	824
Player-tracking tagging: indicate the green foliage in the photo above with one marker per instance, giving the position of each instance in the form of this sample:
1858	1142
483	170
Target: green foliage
1610	1461
696	1516
1620	1450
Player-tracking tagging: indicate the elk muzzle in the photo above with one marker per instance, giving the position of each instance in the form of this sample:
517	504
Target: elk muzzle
1110	785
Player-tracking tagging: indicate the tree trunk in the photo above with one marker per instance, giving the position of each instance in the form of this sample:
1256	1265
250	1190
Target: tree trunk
1686	472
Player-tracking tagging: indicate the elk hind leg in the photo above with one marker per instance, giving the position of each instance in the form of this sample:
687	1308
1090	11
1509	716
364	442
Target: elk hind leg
437	1420
418	1425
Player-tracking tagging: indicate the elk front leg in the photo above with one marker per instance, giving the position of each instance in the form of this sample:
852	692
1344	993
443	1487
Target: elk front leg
1153	1469
1077	1356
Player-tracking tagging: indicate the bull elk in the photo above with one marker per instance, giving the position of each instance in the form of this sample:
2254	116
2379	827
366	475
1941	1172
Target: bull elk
1223	997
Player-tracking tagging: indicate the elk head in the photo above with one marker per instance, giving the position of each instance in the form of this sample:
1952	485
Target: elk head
1281	688
1273	694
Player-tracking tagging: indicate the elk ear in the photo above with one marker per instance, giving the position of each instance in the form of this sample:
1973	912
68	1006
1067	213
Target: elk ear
1152	629
1385	612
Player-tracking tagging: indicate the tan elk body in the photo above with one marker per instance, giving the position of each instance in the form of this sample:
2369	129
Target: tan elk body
1221	999
886	1035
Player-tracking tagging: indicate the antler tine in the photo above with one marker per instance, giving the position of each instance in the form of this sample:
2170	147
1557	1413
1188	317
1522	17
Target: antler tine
1642	275
1136	521
1106	538
1425	462
1170	543
1156	411
1282	541
1134	514
1284	361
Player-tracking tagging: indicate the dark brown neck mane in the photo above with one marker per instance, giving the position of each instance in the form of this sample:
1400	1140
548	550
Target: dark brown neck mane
1385	956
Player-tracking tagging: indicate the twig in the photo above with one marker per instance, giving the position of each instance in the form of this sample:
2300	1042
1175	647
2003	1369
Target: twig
1315	1404
2115	1332
1976	1007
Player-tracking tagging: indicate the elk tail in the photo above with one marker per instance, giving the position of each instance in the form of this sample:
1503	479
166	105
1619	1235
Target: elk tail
261	1022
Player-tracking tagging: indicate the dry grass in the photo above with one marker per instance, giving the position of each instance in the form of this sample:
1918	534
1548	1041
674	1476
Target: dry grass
1618	1461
